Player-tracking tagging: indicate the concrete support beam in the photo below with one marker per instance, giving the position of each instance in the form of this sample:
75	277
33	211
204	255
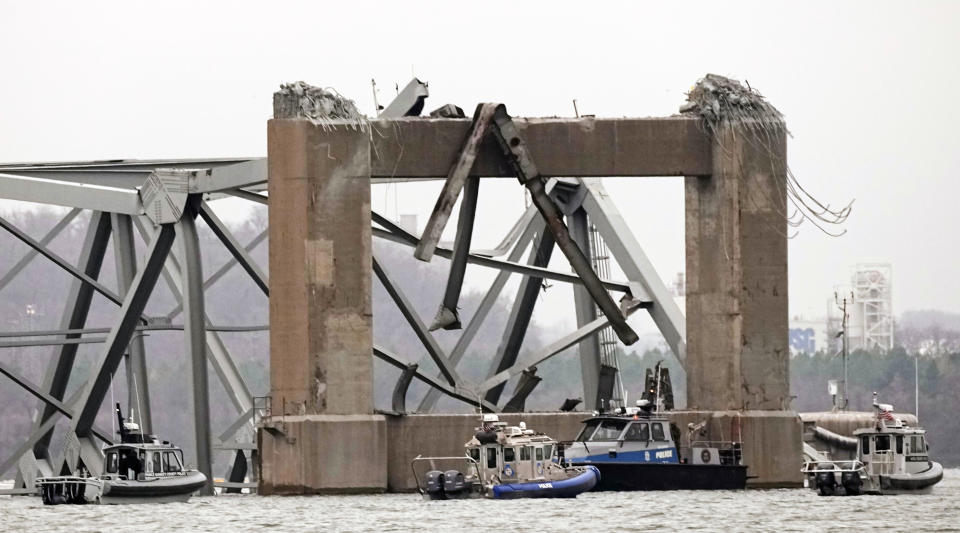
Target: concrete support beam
572	147
320	284
736	243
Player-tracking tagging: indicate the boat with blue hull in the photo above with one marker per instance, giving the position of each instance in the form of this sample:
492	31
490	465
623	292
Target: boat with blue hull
503	462
637	448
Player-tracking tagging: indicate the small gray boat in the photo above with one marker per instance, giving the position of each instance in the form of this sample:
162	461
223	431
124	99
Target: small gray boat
140	469
892	458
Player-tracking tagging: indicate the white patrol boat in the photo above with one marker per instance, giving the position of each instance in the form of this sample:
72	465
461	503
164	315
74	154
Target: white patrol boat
892	458
503	462
140	469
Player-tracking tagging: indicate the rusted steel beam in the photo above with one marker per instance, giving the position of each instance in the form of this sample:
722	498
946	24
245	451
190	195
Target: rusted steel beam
569	147
456	179
515	151
447	316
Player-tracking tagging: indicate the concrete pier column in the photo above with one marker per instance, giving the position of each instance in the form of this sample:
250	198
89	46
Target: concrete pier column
736	254
322	435
320	309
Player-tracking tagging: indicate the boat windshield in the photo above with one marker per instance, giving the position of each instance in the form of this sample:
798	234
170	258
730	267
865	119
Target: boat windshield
588	429
609	430
475	454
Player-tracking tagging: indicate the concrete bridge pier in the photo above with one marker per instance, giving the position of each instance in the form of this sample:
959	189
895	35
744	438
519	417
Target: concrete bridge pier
323	435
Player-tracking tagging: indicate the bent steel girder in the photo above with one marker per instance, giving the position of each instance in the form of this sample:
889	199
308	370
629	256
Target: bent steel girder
402	237
515	151
665	312
419	328
586	311
550	350
468	396
533	226
447	316
528	381
75	312
519	321
399	400
27	257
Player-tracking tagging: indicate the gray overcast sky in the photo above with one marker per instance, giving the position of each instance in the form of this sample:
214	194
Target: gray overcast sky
866	87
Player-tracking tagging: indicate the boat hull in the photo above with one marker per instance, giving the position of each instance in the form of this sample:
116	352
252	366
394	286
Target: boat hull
912	483
155	490
624	476
567	488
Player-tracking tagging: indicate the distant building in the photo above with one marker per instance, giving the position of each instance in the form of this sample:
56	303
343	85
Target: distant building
808	336
872	307
870	323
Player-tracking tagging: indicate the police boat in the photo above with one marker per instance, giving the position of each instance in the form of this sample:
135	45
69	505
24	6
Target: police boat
503	462
140	469
892	458
636	448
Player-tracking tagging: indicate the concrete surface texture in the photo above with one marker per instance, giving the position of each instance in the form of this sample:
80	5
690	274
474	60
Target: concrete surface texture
323	454
323	435
736	255
320	253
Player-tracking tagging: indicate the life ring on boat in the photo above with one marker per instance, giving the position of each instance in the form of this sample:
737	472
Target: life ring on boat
705	456
507	471
540	468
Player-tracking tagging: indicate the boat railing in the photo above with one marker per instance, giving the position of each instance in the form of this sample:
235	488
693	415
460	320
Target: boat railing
883	463
432	460
729	452
815	467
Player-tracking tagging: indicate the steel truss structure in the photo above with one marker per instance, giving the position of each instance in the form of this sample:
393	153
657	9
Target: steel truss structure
160	200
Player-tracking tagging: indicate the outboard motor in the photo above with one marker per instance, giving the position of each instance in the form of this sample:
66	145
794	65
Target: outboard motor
454	485
826	483
435	488
851	483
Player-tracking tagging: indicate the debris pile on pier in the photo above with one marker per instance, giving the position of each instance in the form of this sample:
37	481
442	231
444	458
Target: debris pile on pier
320	106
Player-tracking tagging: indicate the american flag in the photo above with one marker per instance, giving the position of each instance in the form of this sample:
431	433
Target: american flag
886	415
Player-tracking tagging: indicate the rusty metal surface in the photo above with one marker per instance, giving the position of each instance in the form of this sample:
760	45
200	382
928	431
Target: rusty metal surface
515	151
456	179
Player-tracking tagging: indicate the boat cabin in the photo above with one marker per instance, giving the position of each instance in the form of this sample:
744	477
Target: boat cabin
510	453
635	437
140	455
891	450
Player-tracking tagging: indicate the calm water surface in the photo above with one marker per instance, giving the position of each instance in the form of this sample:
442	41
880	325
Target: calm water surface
754	510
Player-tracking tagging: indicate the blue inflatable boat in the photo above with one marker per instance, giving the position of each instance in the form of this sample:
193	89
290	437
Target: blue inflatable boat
503	462
567	488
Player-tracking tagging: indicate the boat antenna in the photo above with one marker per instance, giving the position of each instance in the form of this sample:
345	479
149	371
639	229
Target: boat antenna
657	397
842	304
112	419
136	391
376	105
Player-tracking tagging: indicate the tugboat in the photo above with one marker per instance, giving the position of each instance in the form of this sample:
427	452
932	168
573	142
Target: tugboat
635	448
141	469
504	462
892	458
